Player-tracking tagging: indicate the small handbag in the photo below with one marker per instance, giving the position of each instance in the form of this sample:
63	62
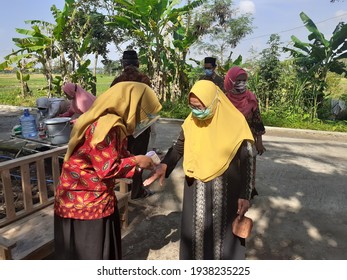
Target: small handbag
242	227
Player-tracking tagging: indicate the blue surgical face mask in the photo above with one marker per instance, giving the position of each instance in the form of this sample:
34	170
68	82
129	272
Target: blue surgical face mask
201	114
206	113
208	72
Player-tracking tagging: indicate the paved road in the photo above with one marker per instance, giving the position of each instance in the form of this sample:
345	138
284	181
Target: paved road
301	212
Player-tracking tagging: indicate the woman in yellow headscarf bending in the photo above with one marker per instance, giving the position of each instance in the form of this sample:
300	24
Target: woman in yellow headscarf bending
86	218
216	145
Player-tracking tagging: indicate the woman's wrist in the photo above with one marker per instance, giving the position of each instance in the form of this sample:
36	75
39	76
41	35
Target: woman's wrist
137	166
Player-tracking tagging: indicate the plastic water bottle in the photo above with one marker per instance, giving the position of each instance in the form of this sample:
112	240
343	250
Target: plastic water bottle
28	123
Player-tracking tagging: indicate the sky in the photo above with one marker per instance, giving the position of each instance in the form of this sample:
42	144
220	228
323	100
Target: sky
282	17
270	16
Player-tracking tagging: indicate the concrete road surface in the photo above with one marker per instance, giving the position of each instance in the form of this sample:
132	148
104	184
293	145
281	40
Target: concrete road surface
300	213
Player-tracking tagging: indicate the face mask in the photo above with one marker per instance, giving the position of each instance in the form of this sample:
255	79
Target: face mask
208	72
201	114
206	113
240	86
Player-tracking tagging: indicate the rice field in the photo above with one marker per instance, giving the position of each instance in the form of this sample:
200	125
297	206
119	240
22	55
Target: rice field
10	92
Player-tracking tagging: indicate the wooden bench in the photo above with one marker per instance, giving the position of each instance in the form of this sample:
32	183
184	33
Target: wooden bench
28	233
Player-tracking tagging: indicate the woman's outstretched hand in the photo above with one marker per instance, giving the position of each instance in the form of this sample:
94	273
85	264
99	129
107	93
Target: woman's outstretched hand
144	162
159	172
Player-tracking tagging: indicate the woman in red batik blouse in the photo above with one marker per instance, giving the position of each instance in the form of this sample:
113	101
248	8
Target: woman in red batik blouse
86	218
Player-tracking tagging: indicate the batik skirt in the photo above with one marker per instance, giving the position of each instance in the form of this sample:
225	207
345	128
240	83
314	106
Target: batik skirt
208	212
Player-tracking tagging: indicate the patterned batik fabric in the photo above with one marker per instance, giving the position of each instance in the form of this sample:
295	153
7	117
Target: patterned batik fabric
214	207
86	186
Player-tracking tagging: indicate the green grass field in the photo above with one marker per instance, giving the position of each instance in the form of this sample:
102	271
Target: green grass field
10	92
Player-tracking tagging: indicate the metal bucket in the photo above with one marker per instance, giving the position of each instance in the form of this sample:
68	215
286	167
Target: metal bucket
58	130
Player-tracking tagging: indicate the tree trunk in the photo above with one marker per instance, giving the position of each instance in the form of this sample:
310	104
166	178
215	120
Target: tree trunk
95	63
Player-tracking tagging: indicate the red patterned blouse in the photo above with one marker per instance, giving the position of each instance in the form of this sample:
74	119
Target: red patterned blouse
85	189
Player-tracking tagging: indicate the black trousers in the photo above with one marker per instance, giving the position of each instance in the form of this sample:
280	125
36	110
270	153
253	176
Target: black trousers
138	146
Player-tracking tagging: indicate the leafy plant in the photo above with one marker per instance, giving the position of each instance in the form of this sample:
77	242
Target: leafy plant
315	59
177	109
158	29
269	71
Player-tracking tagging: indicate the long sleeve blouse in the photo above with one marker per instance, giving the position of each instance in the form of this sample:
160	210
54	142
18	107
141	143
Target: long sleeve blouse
243	156
86	186
255	123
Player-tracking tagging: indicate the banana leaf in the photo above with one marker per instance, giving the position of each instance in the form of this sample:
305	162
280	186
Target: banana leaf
315	35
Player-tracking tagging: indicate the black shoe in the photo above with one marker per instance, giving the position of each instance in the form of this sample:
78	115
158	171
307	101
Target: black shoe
146	193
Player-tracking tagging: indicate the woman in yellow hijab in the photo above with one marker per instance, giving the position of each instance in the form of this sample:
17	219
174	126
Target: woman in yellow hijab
86	218
216	146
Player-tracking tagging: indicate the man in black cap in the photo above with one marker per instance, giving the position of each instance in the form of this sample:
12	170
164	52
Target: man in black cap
210	74
130	63
138	145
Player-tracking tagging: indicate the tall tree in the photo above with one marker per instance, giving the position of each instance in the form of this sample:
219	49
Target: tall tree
269	71
165	33
221	28
81	31
150	25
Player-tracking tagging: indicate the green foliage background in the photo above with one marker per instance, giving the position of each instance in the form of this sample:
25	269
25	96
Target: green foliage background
10	95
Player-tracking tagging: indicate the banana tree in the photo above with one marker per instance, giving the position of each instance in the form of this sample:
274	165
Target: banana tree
24	65
37	47
150	25
319	56
23	77
41	46
46	44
